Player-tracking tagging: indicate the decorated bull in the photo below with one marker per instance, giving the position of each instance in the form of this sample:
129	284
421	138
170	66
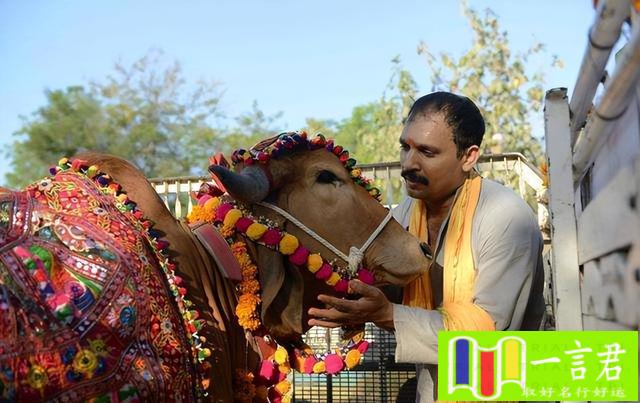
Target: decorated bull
105	296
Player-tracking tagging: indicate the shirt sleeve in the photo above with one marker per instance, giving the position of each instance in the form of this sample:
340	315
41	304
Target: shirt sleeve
509	245
416	334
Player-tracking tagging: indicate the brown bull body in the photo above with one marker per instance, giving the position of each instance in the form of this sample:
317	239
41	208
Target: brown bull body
135	361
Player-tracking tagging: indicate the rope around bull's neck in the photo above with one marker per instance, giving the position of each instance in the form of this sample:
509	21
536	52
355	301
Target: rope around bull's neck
354	259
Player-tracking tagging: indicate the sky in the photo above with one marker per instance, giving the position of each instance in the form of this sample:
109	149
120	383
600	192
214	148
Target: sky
302	58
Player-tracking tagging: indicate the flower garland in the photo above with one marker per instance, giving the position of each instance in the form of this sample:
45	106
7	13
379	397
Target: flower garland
288	142
231	219
160	248
272	375
271	380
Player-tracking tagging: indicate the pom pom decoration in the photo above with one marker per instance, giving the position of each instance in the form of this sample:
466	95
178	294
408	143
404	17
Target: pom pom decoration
281	355
333	279
271	237
232	217
233	222
299	257
243	224
333	363
366	276
324	272
288	244
255	231
342	286
352	358
314	262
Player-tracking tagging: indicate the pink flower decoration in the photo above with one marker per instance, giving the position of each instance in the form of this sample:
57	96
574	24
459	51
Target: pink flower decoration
268	373
243	223
309	362
271	237
366	276
299	257
334	363
222	211
342	286
363	346
324	272
203	199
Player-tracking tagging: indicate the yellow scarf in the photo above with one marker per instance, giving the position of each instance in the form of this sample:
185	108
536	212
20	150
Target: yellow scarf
458	310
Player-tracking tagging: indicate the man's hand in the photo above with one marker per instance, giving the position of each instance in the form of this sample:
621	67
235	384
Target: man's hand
372	306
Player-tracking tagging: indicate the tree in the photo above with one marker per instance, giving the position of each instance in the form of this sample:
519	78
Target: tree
498	80
71	121
251	127
146	113
157	120
372	130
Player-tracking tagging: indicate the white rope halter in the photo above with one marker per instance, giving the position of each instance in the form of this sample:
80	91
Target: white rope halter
354	259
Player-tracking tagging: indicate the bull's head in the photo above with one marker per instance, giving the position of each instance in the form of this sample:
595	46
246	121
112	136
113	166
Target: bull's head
315	187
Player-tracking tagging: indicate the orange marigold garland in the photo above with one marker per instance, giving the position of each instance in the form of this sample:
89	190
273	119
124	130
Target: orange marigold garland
274	370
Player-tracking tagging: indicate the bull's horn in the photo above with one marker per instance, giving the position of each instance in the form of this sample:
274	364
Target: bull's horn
250	185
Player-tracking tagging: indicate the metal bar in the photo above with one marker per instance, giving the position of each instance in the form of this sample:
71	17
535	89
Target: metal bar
165	194
521	182
603	35
190	202
614	103
531	176
178	207
566	280
389	188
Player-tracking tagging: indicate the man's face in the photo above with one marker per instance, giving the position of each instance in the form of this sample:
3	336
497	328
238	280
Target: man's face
430	167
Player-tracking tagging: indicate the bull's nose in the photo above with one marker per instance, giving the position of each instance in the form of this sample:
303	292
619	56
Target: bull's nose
426	249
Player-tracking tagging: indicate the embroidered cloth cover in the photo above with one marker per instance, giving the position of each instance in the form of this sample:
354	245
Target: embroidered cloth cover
85	309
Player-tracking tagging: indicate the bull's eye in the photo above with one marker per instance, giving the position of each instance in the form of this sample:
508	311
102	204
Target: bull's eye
325	176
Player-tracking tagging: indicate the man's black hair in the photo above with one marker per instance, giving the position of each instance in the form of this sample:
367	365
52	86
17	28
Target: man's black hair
459	112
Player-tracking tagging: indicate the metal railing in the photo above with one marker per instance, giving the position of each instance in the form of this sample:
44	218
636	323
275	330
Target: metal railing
512	169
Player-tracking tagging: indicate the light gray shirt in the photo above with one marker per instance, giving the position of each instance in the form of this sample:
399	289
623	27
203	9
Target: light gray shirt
507	252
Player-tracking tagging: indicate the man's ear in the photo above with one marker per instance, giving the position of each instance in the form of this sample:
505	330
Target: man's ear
470	157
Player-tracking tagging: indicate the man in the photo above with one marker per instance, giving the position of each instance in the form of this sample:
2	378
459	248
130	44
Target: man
487	269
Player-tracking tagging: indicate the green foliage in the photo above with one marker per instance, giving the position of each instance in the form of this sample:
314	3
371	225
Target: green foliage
498	80
145	113
252	127
54	132
372	130
148	114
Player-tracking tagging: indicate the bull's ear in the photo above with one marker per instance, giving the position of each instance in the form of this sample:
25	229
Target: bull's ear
282	294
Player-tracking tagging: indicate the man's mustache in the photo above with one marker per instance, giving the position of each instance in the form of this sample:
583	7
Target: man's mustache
413	176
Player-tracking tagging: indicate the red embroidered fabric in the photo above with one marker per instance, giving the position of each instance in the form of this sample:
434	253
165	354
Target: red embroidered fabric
85	309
